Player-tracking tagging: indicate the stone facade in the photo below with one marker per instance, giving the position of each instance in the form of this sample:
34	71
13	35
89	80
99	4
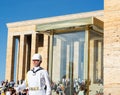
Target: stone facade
112	47
22	32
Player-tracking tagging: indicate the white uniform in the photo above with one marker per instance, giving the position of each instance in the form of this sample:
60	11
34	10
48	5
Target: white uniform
81	93
8	93
37	80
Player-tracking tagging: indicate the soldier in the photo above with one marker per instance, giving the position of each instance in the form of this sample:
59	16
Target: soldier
37	80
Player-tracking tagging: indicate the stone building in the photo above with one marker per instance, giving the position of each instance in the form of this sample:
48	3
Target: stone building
71	46
82	47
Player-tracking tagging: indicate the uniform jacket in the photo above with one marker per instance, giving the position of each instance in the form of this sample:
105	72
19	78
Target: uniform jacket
36	81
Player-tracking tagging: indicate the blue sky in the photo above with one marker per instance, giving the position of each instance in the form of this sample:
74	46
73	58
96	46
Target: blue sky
19	10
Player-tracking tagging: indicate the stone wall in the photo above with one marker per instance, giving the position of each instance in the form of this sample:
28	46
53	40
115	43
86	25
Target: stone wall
111	47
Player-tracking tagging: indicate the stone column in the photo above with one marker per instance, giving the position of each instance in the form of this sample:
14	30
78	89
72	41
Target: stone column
100	58
112	47
92	61
76	60
9	57
33	47
45	53
21	63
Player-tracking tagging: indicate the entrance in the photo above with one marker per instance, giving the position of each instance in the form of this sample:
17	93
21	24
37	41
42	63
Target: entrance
76	65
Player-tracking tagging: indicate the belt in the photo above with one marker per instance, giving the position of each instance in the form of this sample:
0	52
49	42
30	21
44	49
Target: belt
34	88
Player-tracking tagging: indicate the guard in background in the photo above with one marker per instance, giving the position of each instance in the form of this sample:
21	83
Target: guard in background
37	80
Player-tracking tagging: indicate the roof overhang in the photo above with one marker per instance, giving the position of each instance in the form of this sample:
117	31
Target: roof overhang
64	24
71	25
72	22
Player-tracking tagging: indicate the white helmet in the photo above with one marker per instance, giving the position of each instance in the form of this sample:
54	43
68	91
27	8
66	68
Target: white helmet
37	57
